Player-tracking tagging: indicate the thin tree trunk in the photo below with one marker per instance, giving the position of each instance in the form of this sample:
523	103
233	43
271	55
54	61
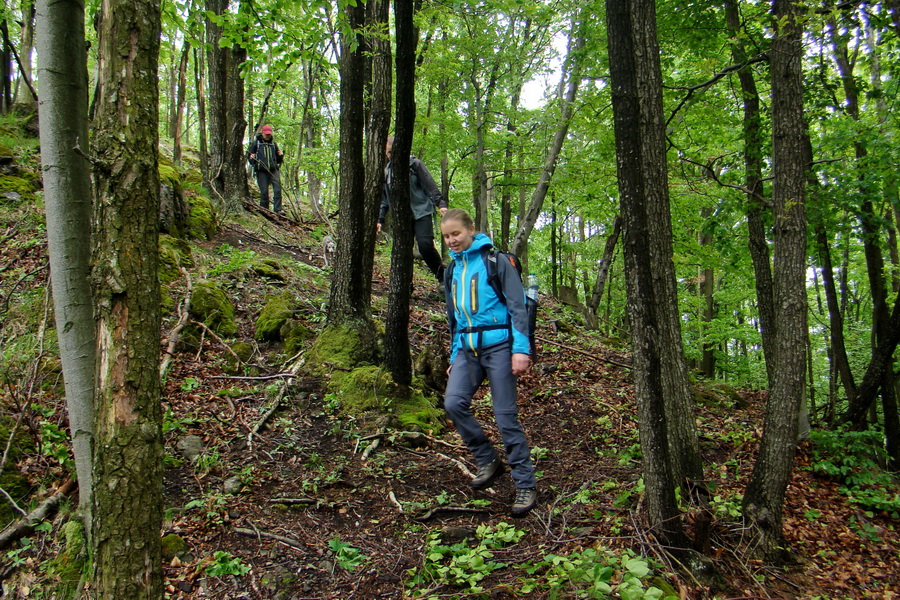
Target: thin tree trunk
67	195
396	340
349	304
24	96
573	69
180	102
216	62
378	123
753	168
593	303
127	556
200	77
764	498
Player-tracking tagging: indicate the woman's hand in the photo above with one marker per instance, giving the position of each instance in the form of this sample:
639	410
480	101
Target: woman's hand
520	363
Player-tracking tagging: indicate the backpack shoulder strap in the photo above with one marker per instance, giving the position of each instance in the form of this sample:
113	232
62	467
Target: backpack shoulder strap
493	272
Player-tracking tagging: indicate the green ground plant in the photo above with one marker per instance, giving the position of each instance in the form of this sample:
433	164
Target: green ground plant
855	458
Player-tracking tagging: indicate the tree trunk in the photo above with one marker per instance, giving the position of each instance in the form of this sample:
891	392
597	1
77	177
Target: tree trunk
871	224
25	101
641	168
180	101
378	123
67	195
572	69
396	337
349	304
764	497
593	303
235	172
216	62
128	452
200	77
753	168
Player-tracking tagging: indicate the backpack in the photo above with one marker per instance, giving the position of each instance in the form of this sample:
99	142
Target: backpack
491	255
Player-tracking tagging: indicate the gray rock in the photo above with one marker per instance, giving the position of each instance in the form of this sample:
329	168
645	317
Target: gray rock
232	485
191	446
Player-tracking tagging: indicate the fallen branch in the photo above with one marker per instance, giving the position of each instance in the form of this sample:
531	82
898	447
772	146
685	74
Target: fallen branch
213	335
375	443
276	403
253	378
415	436
174	336
585	353
25	526
272	536
449	509
458	463
393	498
292	501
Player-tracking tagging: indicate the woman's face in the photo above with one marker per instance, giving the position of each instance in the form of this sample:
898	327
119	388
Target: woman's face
457	236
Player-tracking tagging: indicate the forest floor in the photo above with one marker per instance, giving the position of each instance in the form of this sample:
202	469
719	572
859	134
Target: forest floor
322	506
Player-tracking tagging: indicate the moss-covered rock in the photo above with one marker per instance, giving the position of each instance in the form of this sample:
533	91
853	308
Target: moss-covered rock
13	187
173	545
174	253
342	346
270	268
243	351
276	312
294	333
212	307
168	173
201	219
372	390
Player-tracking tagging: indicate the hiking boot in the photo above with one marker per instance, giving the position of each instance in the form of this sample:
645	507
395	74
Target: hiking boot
526	499
487	474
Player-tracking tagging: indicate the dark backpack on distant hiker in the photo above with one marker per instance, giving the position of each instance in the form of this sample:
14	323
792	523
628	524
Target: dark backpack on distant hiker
491	255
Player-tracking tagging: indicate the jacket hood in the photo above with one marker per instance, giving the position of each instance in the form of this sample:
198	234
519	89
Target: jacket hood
478	242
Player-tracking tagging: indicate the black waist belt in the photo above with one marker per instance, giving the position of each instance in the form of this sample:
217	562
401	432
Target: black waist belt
479	329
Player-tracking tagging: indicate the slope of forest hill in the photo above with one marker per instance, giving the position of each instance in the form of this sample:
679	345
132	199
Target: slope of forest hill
323	502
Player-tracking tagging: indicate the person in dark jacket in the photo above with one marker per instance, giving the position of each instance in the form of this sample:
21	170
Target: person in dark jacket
489	339
424	197
266	158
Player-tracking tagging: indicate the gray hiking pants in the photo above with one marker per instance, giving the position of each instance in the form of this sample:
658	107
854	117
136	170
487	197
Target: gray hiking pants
263	179
466	376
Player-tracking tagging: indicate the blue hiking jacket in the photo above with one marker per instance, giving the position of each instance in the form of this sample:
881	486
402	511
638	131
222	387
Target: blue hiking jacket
472	304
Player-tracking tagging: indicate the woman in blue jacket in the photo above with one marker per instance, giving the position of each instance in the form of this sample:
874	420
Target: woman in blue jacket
489	339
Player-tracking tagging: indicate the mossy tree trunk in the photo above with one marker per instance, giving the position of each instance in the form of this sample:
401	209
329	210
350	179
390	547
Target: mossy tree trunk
396	336
67	194
349	301
128	451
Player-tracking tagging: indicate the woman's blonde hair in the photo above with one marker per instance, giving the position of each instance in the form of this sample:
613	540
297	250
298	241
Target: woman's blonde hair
458	214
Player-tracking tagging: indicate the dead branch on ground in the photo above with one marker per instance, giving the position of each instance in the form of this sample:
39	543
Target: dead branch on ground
275	403
25	526
184	309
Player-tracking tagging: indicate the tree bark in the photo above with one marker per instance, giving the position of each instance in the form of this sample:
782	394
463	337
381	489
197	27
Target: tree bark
396	337
764	497
128	453
200	77
574	62
753	182
593	303
349	304
67	195
378	123
641	168
25	100
180	102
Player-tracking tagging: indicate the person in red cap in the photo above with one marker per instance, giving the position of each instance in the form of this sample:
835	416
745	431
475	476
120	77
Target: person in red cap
266	159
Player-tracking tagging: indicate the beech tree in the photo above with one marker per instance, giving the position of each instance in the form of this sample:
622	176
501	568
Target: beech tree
128	454
63	103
